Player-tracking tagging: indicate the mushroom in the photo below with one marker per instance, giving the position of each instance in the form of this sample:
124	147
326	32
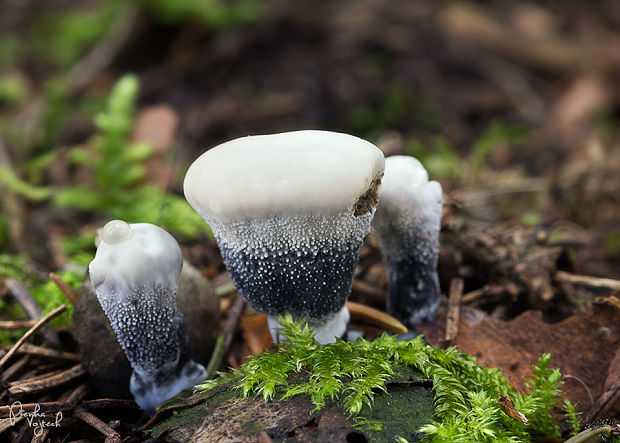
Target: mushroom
289	212
135	274
407	224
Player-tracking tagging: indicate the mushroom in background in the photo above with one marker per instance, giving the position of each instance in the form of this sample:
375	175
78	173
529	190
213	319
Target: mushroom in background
135	274
407	224
289	212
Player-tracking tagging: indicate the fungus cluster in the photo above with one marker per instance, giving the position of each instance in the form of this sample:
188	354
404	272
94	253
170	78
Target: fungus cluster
135	274
289	212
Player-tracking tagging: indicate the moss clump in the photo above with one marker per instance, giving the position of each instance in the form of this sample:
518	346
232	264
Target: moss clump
352	373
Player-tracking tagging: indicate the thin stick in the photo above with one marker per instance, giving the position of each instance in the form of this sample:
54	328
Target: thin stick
610	397
32	308
49	317
79	393
9	325
87	417
375	317
40	351
23	297
44	384
41	436
6	423
12	370
44	407
65	288
224	340
454	309
593	282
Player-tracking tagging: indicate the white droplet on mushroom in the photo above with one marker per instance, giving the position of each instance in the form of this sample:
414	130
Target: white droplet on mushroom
289	212
116	231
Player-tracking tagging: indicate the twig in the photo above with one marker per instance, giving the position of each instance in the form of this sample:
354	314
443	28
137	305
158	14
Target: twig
376	317
79	393
593	282
46	383
42	407
454	309
608	399
23	297
32	308
87	417
487	292
41	436
224	340
24	435
65	288
49	317
40	351
6	423
16	324
15	368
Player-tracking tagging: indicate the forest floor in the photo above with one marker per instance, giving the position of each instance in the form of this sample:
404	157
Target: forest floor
512	106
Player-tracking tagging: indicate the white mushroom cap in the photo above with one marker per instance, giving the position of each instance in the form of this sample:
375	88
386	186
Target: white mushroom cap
289	212
282	174
407	223
131	254
406	195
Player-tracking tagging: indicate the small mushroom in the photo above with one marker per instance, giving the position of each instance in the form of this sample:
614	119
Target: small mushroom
407	225
135	274
289	212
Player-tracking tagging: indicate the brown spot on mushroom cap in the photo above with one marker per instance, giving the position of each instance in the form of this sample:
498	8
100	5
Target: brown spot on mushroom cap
368	201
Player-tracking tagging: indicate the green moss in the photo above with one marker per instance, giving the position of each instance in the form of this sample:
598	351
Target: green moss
357	376
45	292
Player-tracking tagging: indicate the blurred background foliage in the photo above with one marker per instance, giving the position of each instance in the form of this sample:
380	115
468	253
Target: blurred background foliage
512	105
